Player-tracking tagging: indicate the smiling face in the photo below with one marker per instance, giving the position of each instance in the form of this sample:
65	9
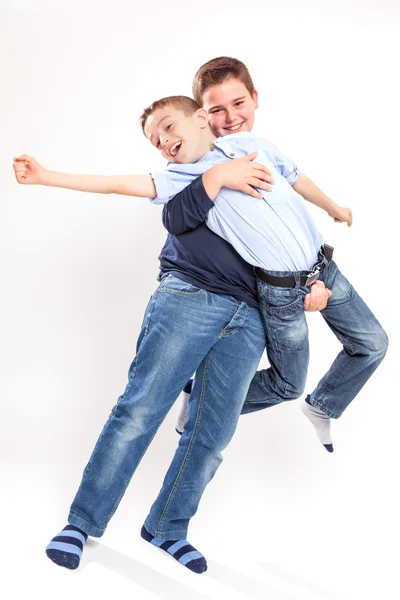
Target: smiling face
181	138
230	107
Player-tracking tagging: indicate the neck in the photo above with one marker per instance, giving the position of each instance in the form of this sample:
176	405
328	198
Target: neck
207	140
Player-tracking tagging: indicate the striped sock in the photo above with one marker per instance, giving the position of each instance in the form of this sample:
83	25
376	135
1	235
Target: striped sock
66	548
181	550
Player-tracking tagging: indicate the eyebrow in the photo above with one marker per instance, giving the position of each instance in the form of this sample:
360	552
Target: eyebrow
219	105
160	121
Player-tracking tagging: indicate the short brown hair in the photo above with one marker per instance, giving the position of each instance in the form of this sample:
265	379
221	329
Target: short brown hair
183	103
217	71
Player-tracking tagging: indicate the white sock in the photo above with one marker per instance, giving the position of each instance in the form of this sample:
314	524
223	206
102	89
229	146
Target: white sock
321	423
183	413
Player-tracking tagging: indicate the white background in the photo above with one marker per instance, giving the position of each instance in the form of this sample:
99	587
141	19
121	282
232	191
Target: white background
283	519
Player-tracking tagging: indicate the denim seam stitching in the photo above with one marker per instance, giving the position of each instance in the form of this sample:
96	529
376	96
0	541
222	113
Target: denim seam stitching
130	479
277	309
188	452
102	530
149	317
236	328
181	293
339	375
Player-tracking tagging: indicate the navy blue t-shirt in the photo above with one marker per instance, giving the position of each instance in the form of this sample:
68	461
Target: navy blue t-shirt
195	254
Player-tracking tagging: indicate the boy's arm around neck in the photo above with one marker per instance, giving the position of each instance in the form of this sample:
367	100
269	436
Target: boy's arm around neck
29	171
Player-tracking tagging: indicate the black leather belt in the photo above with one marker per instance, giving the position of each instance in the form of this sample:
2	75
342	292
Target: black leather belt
289	281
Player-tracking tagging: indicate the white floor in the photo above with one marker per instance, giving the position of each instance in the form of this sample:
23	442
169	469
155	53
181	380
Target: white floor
278	531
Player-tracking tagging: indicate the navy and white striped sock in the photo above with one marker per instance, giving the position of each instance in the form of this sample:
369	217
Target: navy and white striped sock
181	550
66	548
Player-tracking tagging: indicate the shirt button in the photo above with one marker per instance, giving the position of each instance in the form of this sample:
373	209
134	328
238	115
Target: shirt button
232	154
212	148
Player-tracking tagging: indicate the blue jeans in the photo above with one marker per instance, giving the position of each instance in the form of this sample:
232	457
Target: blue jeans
363	339
185	329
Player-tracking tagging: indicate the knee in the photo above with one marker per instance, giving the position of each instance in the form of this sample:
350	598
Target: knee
379	343
383	342
295	389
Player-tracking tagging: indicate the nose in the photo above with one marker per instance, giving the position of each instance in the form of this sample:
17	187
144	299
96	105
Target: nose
230	115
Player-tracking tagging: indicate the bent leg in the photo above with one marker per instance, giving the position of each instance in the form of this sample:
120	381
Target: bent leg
286	330
364	345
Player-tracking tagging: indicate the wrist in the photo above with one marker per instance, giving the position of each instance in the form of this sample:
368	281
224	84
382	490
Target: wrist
330	206
45	177
218	175
213	181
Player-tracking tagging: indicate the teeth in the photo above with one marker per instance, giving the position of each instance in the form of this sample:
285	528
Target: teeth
175	148
234	127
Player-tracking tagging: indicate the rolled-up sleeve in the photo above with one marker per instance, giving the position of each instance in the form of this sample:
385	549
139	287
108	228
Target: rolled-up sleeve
284	164
173	180
164	188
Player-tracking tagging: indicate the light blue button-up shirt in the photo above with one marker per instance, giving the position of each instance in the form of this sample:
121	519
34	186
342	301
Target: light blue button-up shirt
276	233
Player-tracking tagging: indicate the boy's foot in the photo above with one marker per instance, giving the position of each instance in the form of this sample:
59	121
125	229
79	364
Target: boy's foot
66	548
181	550
183	413
321	423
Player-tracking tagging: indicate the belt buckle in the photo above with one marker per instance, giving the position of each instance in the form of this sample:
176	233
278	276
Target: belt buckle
313	276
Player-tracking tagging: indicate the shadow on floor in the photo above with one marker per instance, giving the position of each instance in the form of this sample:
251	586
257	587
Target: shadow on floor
168	588
139	573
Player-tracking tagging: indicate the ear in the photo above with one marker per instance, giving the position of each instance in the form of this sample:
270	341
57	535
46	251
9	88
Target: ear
255	98
202	118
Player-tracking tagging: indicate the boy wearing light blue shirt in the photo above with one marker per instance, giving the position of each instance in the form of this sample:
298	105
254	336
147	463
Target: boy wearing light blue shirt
276	233
279	238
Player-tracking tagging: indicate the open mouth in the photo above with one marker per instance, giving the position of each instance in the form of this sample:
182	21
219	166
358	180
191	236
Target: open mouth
175	149
234	128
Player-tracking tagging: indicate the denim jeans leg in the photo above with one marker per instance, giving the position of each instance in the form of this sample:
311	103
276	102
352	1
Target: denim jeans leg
218	394
364	345
282	311
180	327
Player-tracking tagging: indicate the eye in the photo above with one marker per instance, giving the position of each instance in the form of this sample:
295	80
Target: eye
216	111
239	102
168	127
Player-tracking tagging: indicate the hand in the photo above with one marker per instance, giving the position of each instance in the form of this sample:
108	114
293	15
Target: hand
318	298
341	215
27	170
244	175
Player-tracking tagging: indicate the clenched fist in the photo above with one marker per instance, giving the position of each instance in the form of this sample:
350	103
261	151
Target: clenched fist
27	170
341	214
318	298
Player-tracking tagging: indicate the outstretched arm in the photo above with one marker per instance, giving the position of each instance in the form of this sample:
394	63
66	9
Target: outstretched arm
307	188
29	171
